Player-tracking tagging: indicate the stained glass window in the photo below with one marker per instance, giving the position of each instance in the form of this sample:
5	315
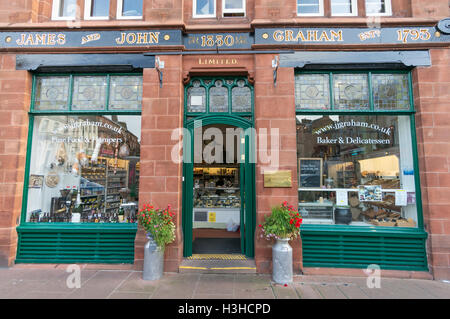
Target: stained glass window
196	98
390	91
351	91
312	91
125	93
218	97
52	93
241	98
89	93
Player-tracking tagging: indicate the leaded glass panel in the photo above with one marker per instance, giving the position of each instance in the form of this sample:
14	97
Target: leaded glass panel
390	91
218	97
89	93
351	92
125	93
52	93
196	98
312	91
241	98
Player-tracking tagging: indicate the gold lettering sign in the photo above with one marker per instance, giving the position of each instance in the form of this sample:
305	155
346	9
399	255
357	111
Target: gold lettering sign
278	179
29	39
138	38
217	61
308	36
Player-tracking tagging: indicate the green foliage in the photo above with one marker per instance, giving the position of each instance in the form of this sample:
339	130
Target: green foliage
284	222
158	223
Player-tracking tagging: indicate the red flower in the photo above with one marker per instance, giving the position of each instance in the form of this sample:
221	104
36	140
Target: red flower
260	225
291	221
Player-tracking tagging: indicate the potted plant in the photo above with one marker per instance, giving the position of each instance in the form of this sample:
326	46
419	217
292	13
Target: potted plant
160	229
282	225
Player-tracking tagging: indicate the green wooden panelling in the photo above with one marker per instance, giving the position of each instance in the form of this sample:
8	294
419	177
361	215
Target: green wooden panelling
72	244
358	247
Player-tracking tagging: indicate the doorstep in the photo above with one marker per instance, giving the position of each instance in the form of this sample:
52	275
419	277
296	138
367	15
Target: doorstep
218	264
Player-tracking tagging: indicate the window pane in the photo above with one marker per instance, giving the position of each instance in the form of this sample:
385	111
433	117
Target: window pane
125	93
351	91
100	8
341	7
196	98
390	91
312	91
84	169
67	8
241	98
308	6
89	93
234	4
132	8
52	93
367	158
375	6
204	7
218	98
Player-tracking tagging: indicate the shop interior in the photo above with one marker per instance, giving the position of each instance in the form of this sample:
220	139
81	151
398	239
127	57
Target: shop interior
84	170
217	193
355	183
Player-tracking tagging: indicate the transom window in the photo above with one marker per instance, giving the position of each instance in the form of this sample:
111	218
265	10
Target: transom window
353	91
310	7
219	96
70	92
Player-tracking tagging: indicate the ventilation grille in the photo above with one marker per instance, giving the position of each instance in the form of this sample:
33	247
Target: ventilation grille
359	251
76	247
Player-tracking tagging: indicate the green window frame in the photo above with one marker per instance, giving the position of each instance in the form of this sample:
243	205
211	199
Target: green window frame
410	112
69	111
208	82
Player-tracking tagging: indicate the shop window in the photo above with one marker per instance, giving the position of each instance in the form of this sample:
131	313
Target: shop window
378	8
129	9
233	8
84	169
84	161
344	8
96	9
310	8
356	165
204	8
64	9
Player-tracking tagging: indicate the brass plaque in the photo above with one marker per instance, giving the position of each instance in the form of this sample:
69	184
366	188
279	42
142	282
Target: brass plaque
278	179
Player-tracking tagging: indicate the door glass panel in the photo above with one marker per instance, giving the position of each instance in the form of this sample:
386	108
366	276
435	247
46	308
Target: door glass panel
196	98
241	98
218	97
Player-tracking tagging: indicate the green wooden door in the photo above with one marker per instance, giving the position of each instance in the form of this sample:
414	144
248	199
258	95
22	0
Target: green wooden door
246	179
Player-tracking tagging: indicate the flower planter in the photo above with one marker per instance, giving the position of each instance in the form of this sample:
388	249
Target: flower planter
282	261
153	261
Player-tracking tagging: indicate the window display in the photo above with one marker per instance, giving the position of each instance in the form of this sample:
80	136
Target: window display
356	169
84	169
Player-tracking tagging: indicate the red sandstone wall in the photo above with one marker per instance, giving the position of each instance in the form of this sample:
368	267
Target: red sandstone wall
275	108
432	102
160	178
15	90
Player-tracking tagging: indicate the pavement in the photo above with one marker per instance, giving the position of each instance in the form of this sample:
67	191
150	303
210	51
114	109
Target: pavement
57	283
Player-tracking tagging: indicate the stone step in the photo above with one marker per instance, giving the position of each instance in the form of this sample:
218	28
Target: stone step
218	264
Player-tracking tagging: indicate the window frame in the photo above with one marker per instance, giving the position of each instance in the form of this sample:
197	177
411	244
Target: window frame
241	10
119	12
320	14
56	5
31	119
203	16
87	11
388	6
373	112
354	7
